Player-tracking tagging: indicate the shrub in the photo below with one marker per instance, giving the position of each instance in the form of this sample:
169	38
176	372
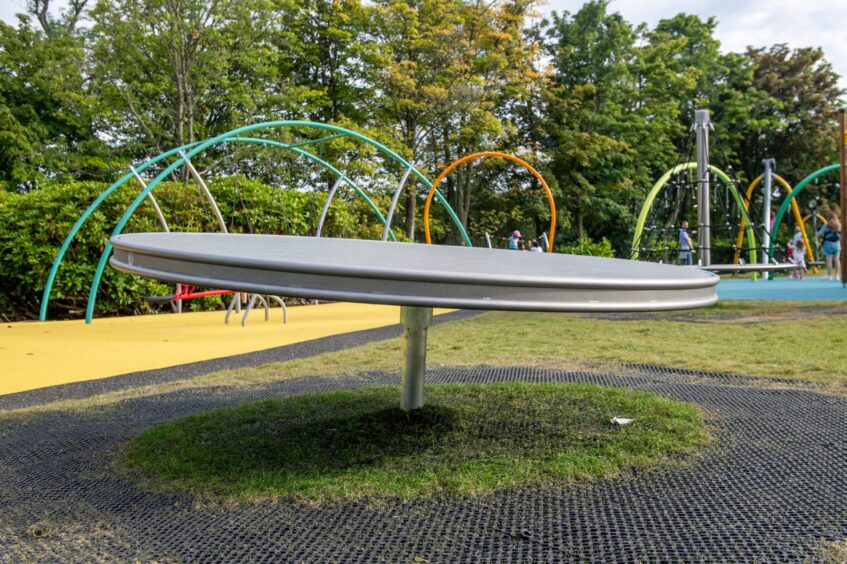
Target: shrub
585	246
33	226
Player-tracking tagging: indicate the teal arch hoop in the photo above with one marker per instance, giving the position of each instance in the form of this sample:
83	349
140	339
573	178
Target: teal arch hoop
657	187
200	146
784	207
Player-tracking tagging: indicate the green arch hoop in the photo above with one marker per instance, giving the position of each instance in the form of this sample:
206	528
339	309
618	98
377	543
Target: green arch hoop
200	146
657	187
784	207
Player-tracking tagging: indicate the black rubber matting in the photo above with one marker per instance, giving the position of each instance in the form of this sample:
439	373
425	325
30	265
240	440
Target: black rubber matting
770	488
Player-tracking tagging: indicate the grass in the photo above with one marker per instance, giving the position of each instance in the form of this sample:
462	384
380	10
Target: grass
832	552
793	340
468	439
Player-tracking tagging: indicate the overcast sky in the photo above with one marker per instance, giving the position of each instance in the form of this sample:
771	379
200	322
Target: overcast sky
761	23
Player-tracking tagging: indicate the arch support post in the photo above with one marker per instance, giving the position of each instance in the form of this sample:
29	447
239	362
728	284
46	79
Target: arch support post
215	209
704	228
387	227
328	201
416	322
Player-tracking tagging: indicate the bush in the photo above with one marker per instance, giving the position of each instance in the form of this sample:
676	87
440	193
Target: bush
585	246
33	226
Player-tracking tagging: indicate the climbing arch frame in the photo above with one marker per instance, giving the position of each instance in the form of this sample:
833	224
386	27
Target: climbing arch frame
657	187
794	207
183	156
790	198
434	189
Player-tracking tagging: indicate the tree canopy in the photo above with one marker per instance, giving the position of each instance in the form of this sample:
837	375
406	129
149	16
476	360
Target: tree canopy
600	105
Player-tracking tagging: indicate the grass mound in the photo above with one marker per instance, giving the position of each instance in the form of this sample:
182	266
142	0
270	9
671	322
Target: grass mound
468	439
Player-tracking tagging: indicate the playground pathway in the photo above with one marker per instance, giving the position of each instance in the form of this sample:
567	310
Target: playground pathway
39	354
782	289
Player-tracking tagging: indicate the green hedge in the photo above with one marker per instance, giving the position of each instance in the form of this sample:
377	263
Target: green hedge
33	226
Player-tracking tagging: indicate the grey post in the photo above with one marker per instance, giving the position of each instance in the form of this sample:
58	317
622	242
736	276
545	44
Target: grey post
215	209
177	305
704	233
488	240
325	209
387	227
416	322
153	201
769	165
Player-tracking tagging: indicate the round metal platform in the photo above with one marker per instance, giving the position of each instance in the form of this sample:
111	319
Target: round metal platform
411	274
415	277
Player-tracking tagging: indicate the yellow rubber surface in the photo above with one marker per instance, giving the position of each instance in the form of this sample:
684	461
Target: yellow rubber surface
38	354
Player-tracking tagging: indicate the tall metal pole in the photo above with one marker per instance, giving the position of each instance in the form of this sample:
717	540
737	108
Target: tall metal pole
842	141
769	165
704	232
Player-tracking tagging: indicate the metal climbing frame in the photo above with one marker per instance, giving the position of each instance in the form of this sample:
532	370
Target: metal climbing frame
183	155
797	216
657	187
434	190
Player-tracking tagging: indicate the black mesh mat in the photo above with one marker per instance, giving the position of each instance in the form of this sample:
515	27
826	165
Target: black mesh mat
769	489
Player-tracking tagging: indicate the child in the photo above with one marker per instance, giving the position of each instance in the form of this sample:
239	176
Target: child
514	240
686	245
799	260
789	251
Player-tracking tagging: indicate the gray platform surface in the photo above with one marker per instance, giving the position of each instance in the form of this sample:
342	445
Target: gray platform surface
411	274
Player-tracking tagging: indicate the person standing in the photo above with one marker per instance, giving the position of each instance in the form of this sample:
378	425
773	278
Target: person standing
686	246
831	233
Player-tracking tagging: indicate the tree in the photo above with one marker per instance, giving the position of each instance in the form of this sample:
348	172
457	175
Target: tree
448	72
589	108
185	69
48	113
329	46
64	24
493	78
803	97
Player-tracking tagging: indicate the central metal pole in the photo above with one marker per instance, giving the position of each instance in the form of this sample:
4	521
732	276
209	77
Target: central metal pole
769	165
416	321
704	233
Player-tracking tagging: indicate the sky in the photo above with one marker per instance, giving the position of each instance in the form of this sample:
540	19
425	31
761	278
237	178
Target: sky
761	23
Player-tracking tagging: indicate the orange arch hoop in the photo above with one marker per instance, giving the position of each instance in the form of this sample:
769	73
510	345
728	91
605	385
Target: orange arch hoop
475	156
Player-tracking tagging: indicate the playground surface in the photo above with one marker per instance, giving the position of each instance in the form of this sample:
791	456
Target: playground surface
816	288
769	487
40	354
